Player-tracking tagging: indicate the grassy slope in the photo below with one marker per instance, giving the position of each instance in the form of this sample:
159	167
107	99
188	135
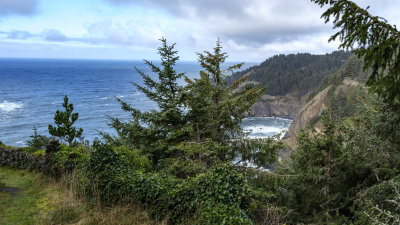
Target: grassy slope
44	201
23	208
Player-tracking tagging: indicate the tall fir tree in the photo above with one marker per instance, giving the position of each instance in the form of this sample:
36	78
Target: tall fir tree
217	109
154	132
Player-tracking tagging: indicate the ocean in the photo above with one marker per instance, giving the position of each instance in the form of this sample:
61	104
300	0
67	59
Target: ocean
31	90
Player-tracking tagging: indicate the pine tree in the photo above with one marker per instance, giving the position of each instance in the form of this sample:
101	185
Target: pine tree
64	123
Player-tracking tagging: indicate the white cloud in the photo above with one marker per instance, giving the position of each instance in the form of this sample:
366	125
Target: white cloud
255	22
132	32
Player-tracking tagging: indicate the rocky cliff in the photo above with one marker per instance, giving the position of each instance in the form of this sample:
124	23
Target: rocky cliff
338	93
340	99
312	110
278	106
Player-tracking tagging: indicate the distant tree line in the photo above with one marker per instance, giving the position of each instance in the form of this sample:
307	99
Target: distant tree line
294	73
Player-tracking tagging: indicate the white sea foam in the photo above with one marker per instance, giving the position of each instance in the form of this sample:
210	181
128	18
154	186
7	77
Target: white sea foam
6	106
262	129
104	98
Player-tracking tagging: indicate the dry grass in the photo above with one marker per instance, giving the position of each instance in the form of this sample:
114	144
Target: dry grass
71	209
48	201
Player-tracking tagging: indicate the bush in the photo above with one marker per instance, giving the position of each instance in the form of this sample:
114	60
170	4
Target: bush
220	186
224	214
108	171
133	159
69	158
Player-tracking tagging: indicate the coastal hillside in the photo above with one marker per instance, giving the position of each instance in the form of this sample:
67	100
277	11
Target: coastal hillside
290	79
338	93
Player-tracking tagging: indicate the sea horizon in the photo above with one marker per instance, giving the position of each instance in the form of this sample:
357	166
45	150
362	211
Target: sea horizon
33	89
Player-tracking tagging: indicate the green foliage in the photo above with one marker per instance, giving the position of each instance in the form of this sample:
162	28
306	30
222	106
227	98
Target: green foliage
64	121
353	70
155	131
224	214
375	40
38	141
374	136
217	109
318	163
177	200
68	157
347	173
379	204
198	196
294	73
133	158
207	133
108	172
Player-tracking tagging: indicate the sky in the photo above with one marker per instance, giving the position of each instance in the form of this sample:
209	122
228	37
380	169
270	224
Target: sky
250	30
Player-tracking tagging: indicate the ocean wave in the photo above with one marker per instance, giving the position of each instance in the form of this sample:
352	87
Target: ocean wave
262	129
10	106
104	98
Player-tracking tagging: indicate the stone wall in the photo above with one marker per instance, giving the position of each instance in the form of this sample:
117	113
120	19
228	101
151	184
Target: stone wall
18	158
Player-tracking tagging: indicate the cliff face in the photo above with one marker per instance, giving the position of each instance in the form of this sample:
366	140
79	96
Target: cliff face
340	99
313	109
280	106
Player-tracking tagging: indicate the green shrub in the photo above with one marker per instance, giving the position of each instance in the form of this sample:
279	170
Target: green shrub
108	171
224	214
68	158
220	186
133	159
118	176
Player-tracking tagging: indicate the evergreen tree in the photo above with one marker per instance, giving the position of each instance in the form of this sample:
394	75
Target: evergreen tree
375	40
38	141
316	176
217	109
199	123
64	124
156	131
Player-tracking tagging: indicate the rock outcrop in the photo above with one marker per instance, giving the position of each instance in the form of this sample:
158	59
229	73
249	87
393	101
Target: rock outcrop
312	109
278	106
